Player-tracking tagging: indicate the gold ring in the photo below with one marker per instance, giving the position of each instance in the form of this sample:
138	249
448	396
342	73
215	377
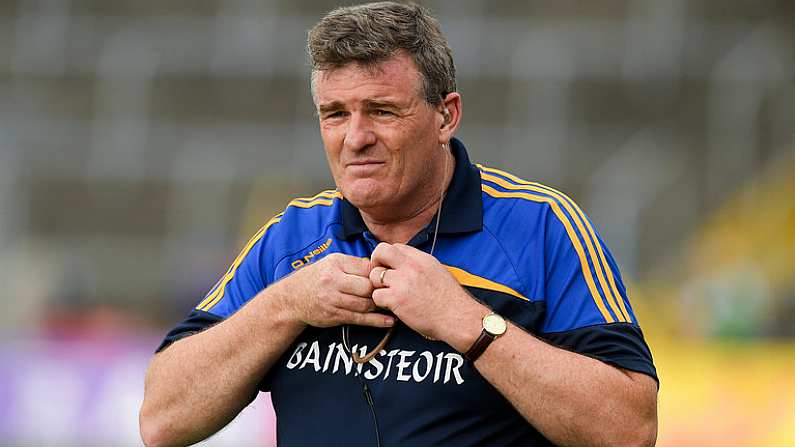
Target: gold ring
381	278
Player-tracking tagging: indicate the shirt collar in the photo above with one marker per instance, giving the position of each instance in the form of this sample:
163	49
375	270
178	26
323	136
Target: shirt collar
462	209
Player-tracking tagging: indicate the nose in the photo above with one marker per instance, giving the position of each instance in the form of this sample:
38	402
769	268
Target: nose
359	133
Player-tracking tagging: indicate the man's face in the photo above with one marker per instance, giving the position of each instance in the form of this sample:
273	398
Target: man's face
381	137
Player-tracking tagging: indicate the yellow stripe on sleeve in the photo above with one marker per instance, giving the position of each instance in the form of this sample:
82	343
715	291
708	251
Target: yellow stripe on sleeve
614	296
325	198
602	258
216	296
218	284
468	279
586	269
611	300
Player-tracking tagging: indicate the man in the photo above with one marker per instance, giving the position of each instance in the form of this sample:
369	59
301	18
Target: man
516	330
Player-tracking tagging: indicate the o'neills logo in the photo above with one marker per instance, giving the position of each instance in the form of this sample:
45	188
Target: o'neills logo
397	364
298	263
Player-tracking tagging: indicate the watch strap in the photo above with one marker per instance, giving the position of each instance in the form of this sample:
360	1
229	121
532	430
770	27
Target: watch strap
480	345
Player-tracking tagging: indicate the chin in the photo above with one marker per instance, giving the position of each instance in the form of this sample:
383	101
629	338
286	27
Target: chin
365	193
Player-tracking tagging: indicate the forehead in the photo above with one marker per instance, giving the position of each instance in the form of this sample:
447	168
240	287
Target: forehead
394	77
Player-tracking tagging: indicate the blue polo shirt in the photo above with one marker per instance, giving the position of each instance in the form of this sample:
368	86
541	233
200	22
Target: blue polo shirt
522	248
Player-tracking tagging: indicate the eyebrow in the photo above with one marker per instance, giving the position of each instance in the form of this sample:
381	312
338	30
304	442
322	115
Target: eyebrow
377	104
330	107
368	103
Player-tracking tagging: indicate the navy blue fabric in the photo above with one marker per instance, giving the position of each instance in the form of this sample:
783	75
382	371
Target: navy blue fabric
197	321
523	249
413	408
618	344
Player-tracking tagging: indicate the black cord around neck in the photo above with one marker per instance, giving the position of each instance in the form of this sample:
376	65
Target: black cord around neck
368	395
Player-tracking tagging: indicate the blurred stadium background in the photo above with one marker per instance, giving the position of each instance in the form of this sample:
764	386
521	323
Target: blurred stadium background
142	141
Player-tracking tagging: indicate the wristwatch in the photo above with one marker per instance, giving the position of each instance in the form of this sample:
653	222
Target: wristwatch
493	326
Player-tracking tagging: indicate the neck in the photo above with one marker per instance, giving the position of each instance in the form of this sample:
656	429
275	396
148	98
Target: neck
402	229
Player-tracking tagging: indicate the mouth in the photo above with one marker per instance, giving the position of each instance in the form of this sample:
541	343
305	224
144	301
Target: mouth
365	163
364	167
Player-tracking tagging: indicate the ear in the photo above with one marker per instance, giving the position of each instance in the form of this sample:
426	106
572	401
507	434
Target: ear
449	121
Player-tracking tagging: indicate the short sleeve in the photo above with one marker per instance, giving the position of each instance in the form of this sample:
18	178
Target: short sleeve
248	275
587	309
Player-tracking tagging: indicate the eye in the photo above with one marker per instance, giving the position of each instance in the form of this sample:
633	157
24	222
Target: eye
331	115
382	112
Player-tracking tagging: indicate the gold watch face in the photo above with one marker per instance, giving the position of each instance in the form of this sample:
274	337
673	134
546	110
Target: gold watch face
494	324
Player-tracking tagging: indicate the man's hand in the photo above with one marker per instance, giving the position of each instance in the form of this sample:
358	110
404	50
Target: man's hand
333	291
421	292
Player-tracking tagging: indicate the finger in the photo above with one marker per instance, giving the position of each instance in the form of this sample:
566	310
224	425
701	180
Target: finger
378	277
373	319
355	303
355	266
360	286
386	255
382	298
407	249
409	252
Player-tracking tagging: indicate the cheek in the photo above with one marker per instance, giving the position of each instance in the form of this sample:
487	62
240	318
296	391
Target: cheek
397	167
331	144
333	160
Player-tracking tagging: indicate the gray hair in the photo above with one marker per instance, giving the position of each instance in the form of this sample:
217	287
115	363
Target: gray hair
371	33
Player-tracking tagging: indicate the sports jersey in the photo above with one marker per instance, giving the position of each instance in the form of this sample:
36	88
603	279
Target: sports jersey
524	249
